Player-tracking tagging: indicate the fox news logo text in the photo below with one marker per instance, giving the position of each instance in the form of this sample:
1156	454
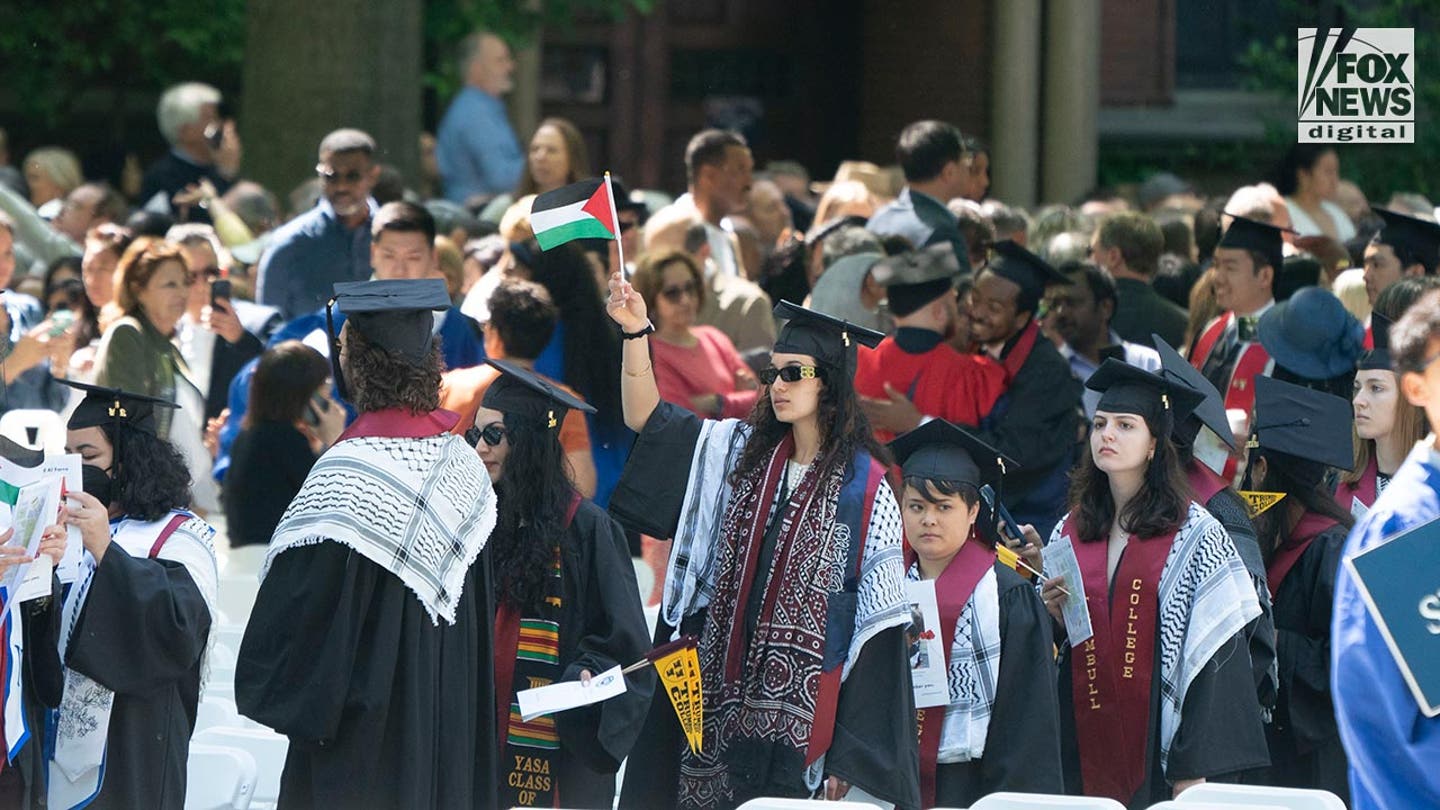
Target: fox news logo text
1357	85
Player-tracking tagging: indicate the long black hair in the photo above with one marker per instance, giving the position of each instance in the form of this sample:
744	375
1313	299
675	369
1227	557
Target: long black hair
150	476
1303	482
534	494
844	428
1158	508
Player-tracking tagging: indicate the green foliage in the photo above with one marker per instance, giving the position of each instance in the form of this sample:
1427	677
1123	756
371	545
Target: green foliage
1379	169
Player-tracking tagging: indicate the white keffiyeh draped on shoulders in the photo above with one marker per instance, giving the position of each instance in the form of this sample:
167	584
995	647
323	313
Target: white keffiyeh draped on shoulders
422	509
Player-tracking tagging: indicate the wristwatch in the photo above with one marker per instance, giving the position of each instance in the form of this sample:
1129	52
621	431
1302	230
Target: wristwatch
649	327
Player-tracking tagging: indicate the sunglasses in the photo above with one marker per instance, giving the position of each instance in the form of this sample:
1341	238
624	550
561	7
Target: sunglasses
789	374
329	176
676	294
492	434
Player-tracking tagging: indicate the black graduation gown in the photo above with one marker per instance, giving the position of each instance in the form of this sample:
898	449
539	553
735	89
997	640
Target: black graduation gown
601	625
1220	731
1036	422
383	708
1305	749
1022	745
43	684
141	634
874	746
1227	507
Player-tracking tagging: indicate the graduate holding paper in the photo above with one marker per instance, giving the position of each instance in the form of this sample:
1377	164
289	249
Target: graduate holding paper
1000	727
1391	744
1161	697
567	609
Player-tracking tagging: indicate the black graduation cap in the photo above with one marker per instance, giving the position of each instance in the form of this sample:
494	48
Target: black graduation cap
941	451
1378	358
1420	238
1011	261
105	406
916	277
1210	411
829	340
1261	237
1302	422
397	315
522	391
1130	389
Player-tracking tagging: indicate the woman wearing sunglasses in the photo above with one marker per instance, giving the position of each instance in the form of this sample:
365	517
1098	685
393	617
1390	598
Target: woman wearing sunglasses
568	608
786	564
696	366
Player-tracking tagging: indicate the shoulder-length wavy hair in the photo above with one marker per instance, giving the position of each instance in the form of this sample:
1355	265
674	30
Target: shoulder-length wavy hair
575	152
844	429
534	494
378	379
142	260
1157	509
152	477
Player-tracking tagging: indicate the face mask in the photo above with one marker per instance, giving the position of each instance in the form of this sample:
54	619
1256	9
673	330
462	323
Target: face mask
96	483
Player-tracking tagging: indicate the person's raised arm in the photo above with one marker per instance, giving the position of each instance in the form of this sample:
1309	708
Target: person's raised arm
638	394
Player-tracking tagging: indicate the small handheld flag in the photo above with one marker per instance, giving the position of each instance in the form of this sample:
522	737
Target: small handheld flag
678	664
583	210
1259	502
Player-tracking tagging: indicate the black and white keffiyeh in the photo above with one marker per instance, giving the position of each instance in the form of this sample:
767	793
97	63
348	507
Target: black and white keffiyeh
972	673
422	509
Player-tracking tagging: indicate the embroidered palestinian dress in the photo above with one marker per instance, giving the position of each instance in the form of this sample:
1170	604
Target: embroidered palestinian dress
134	629
793	580
370	642
1173	618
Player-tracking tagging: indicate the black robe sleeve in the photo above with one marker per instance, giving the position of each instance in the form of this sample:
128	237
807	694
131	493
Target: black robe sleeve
44	674
144	624
611	628
1227	508
875	747
651	489
1039	427
1220	730
1022	747
1303	632
300	646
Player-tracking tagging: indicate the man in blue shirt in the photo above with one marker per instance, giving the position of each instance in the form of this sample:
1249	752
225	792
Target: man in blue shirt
476	147
1392	746
331	242
932	155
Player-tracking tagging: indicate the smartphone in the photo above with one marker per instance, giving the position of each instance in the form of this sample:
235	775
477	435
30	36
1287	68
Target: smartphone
60	320
215	133
318	405
219	288
1002	517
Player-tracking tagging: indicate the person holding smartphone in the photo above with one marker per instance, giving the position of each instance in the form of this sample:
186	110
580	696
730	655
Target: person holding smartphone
290	422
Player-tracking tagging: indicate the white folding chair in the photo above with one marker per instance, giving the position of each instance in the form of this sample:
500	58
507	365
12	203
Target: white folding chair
644	578
1217	793
218	778
237	597
792	804
1044	801
1176	804
216	711
244	562
230	635
268	749
36	428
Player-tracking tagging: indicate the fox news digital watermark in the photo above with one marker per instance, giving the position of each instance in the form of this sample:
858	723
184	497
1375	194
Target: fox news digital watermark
1357	85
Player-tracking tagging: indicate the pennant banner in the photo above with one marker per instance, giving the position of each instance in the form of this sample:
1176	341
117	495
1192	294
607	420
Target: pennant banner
680	676
1259	502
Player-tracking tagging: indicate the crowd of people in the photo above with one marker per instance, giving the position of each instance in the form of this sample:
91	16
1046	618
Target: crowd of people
795	404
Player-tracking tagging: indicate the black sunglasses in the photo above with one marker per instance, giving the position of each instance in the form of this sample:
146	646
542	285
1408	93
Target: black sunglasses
789	374
492	434
677	293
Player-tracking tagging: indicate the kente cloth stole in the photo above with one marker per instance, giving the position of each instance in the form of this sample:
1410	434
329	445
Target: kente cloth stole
1112	672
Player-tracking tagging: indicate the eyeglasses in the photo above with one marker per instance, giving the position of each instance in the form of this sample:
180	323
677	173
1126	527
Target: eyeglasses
677	293
789	374
329	176
493	433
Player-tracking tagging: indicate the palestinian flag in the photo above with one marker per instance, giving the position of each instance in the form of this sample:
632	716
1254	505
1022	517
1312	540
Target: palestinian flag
584	210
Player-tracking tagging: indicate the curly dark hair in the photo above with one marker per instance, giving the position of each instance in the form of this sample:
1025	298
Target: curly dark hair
1157	509
534	494
151	476
378	378
844	428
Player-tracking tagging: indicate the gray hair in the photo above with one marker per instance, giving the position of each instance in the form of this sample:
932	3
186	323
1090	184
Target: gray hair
469	50
189	234
180	105
60	164
848	241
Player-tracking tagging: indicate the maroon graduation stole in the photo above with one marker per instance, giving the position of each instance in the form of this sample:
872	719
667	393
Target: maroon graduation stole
1363	489
1020	352
1207	340
1251	362
953	588
1204	483
1304	533
1111	673
527	655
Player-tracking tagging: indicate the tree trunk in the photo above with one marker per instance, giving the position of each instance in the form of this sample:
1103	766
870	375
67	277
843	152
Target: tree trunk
320	65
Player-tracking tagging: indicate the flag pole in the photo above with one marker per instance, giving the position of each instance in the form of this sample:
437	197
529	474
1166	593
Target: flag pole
615	218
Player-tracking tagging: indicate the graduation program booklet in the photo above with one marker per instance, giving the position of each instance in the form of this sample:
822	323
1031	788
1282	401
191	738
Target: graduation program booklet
926	646
34	507
67	467
1060	561
1406	606
557	697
